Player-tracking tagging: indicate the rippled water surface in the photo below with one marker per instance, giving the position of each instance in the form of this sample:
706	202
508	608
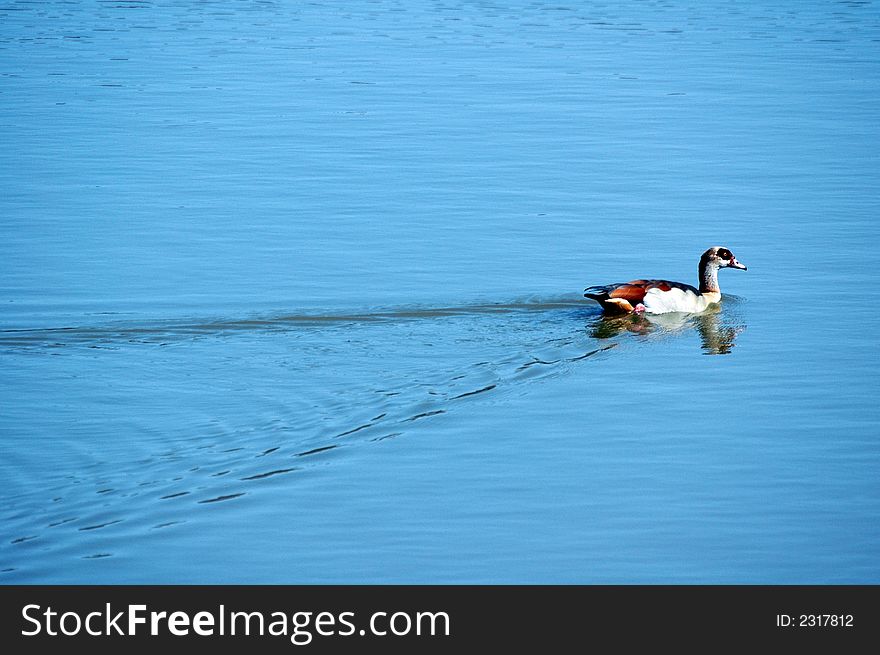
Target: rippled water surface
291	292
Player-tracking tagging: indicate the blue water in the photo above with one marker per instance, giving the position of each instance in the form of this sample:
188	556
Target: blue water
292	292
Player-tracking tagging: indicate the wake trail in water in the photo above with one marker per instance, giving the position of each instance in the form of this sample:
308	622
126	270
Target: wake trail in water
206	466
161	331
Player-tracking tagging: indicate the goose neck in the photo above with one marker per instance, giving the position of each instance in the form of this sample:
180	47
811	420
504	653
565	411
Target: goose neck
708	277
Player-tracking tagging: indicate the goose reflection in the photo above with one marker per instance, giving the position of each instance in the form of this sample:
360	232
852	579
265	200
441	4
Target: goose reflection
717	336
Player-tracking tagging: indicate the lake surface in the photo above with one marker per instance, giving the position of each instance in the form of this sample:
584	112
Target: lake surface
291	292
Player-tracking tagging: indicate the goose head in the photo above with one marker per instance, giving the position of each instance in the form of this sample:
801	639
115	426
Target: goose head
720	257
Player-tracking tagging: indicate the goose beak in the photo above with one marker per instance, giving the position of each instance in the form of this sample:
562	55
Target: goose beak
735	264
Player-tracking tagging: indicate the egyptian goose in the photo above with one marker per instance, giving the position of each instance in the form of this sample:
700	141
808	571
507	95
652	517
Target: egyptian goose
661	296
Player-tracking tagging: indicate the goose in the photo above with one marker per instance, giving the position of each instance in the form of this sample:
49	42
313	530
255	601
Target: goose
662	296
